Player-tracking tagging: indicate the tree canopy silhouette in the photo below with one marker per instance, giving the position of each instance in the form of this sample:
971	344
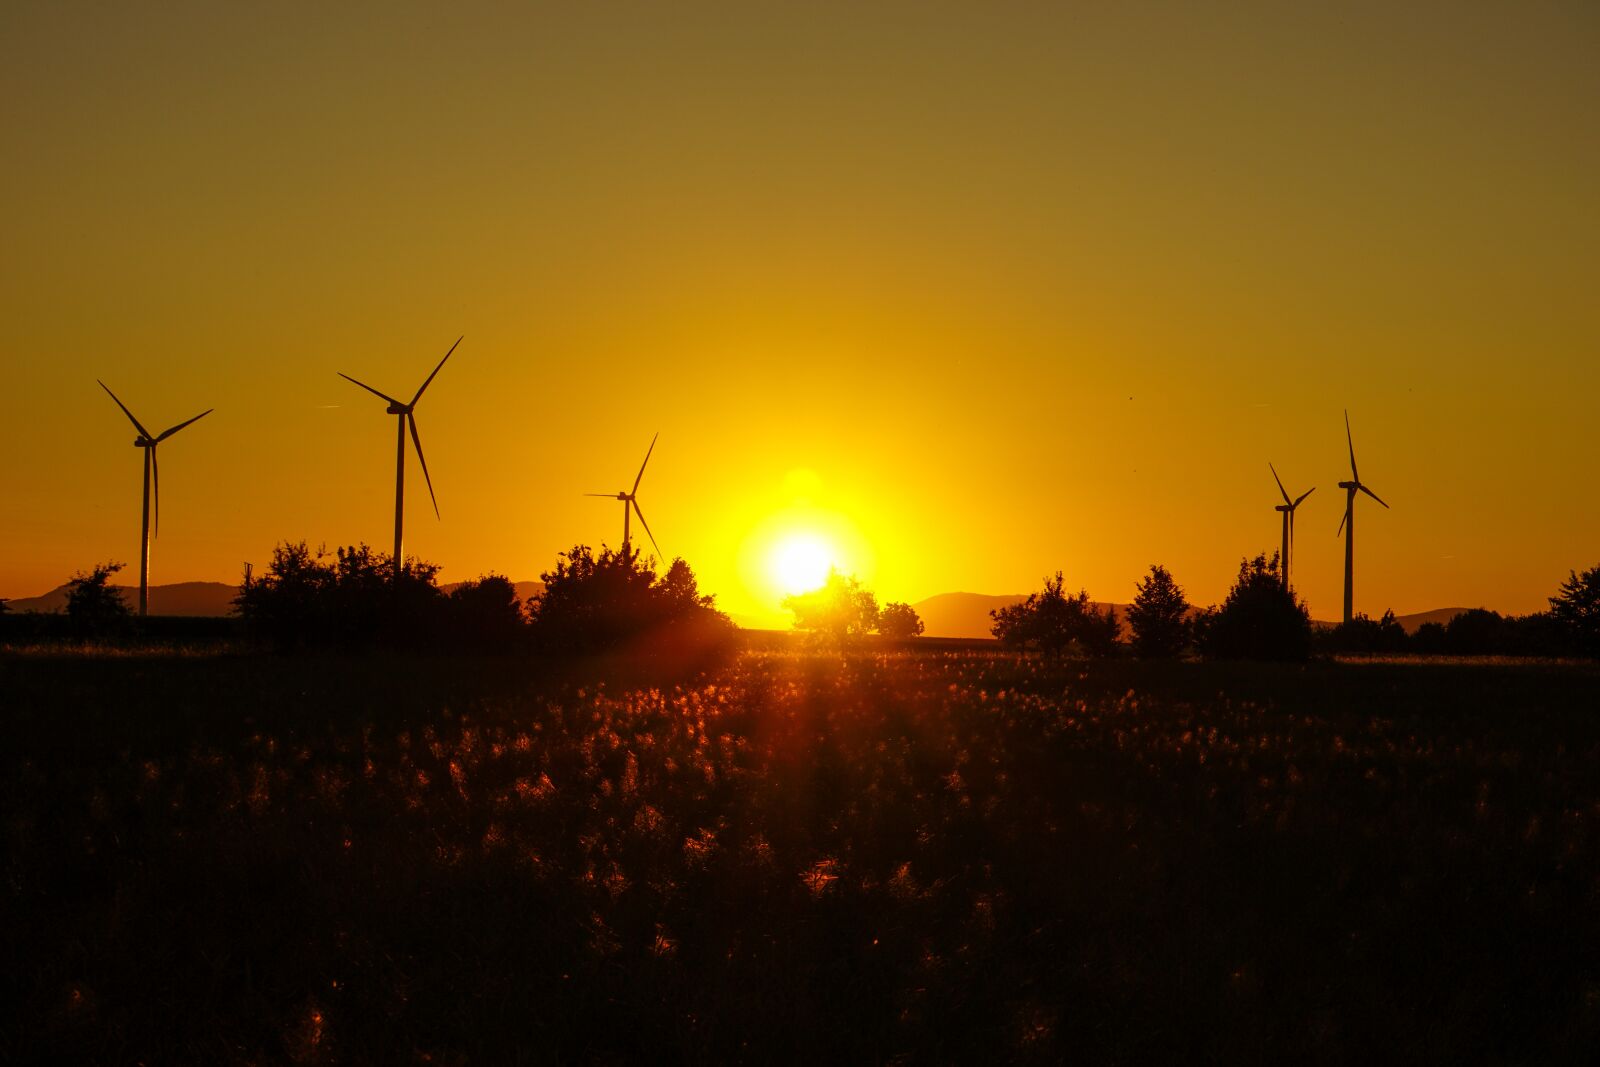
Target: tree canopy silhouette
1260	619
1159	616
1576	610
1054	623
1366	635
899	621
614	601
352	600
841	607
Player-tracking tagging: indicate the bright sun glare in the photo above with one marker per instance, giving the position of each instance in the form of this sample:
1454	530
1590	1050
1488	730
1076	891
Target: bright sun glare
800	562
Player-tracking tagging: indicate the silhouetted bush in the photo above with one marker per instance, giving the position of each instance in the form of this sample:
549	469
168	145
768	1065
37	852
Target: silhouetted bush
839	609
1478	632
1054	623
349	601
95	608
1260	619
1430	639
485	615
899	621
615	602
1367	636
1158	616
1575	611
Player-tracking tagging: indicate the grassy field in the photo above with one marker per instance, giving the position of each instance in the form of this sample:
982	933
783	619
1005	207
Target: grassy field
913	856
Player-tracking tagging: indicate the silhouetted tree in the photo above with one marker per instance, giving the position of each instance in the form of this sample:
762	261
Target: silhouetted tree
1430	639
1260	619
1159	616
94	607
349	600
840	608
1366	636
1478	632
1053	623
1539	634
614	601
899	621
486	615
1575	610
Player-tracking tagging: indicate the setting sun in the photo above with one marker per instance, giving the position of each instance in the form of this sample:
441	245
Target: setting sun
800	562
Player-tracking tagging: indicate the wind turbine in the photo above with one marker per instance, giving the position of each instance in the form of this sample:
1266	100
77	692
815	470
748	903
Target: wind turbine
1287	509
152	489
406	417
629	499
1347	525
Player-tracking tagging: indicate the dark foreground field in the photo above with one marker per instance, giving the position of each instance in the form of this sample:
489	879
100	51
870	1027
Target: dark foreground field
923	857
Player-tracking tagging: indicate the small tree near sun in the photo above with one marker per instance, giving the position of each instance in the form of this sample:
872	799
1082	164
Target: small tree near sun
840	608
1158	616
899	621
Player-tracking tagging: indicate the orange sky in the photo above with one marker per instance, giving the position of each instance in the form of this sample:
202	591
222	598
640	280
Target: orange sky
979	291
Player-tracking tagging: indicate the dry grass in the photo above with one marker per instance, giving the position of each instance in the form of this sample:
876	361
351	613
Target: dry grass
946	855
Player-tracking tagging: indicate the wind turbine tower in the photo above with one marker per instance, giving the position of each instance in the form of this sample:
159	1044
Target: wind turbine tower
152	490
1287	509
1347	525
630	499
406	416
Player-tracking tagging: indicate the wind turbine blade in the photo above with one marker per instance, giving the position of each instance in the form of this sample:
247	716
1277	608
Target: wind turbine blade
646	463
1303	495
155	482
168	433
1279	480
416	441
1345	518
435	371
143	432
370	389
1370	493
608	496
646	526
1354	476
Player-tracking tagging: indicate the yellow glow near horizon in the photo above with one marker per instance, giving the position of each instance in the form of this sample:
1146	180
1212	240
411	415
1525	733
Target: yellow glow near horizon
792	536
800	562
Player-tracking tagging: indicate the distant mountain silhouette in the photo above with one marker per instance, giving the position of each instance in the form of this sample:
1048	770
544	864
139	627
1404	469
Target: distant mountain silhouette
180	598
967	614
207	599
1442	616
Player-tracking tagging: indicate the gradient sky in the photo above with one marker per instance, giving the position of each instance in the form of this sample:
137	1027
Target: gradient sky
977	292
